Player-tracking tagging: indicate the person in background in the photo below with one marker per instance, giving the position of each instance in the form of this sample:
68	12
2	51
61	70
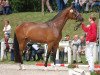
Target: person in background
61	5
75	44
68	42
6	7
1	7
88	5
82	5
47	4
83	44
91	38
7	32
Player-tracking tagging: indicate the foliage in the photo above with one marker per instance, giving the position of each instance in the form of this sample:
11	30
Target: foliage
31	5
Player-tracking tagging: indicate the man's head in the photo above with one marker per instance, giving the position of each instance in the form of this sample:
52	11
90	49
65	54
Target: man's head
92	18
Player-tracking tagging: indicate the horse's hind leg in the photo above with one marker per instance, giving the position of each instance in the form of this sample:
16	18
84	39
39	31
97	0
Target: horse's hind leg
48	53
21	47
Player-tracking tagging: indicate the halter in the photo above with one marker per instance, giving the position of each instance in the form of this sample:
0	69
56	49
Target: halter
77	14
78	25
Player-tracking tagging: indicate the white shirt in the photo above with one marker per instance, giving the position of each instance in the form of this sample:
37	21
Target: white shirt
78	41
35	46
7	29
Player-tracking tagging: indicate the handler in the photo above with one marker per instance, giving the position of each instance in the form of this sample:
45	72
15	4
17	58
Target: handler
91	36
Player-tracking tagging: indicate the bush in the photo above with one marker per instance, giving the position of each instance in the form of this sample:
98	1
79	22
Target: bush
30	5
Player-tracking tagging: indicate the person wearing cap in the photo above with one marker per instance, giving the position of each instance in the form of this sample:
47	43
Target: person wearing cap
91	37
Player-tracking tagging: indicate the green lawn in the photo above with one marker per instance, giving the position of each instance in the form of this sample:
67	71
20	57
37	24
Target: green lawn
18	18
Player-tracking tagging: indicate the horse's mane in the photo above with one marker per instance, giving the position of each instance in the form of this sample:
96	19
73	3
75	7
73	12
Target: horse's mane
56	16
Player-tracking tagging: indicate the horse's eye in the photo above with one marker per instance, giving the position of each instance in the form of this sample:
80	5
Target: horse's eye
71	10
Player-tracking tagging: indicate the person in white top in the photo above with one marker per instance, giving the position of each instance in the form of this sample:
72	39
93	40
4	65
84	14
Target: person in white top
75	44
7	32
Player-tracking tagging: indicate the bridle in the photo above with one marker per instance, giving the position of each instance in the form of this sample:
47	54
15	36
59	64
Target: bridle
78	25
77	14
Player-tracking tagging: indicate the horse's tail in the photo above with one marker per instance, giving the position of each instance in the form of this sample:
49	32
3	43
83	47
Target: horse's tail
18	57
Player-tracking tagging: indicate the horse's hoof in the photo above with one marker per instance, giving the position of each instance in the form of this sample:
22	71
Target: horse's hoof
20	69
23	68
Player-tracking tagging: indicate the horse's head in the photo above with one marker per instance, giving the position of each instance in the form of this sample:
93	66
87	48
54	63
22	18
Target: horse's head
74	14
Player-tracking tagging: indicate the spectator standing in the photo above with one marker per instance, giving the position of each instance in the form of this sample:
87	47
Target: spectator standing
88	5
7	32
47	4
6	7
76	5
82	5
39	51
1	7
91	36
61	5
75	44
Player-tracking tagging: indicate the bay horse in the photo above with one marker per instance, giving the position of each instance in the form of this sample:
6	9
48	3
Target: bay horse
49	32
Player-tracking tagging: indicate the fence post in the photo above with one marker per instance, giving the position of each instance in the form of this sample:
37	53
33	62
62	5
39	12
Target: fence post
3	47
57	57
69	55
99	36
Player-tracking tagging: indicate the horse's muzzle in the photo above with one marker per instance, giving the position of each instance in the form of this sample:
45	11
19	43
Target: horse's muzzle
80	19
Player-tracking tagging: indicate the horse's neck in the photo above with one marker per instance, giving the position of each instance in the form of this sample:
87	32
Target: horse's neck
60	21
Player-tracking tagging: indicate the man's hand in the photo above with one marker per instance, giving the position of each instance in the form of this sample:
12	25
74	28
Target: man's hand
87	42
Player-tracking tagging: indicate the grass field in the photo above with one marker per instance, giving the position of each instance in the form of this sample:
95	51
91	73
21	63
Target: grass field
18	18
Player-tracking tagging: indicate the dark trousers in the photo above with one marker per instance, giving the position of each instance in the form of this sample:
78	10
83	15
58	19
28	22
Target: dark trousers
12	55
77	6
60	5
6	10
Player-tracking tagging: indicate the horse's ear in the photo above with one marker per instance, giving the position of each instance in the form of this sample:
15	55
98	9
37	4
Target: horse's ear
71	8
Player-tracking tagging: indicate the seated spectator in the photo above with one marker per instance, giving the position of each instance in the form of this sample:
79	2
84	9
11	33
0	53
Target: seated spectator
95	4
27	52
75	44
88	5
68	42
40	51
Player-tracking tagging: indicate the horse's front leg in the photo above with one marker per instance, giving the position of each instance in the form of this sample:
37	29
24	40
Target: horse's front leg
50	46
54	50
